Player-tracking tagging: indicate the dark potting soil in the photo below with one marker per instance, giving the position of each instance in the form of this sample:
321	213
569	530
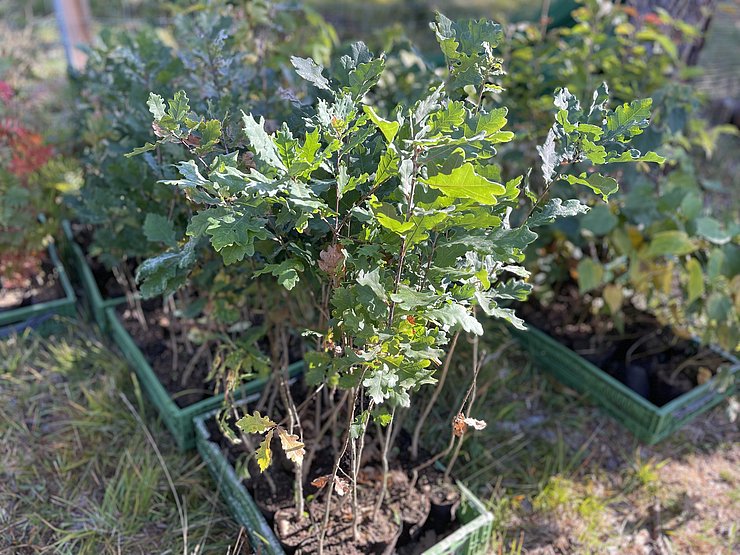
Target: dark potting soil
106	281
646	356
407	513
41	287
186	381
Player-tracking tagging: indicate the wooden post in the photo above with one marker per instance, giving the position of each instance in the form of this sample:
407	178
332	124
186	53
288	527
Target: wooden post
73	17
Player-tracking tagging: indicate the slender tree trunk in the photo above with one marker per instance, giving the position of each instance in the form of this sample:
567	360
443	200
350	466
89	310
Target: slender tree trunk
73	17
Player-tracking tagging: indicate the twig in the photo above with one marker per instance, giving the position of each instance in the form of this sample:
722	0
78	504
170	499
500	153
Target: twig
433	399
337	462
386	447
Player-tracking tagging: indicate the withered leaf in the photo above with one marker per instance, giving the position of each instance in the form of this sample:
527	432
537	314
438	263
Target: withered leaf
476	424
321	481
331	259
341	486
459	426
294	449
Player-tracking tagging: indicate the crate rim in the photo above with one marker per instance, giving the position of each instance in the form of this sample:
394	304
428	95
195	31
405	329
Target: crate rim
696	392
16	315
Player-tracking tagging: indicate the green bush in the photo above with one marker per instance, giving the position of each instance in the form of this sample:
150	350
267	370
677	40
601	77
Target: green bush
664	243
224	58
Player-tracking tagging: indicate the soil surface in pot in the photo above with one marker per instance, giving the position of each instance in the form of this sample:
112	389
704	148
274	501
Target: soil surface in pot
108	284
40	284
404	515
168	343
164	342
646	356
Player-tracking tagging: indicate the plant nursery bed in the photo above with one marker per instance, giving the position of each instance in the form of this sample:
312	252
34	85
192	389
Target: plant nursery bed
175	381
181	367
100	286
643	374
434	516
48	292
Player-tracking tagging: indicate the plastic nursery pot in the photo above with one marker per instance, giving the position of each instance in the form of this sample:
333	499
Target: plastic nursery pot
649	422
179	421
471	538
36	315
97	305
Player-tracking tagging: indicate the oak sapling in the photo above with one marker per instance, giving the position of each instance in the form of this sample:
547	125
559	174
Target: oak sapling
401	227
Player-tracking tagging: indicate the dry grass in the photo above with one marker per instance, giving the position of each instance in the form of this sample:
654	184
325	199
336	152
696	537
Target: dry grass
78	473
563	478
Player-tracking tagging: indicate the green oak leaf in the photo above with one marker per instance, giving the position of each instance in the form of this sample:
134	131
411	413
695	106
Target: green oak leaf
389	129
158	229
464	183
255	423
261	141
456	315
310	71
556	208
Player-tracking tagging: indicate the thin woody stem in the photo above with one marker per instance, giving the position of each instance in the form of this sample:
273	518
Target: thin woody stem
386	448
337	463
433	399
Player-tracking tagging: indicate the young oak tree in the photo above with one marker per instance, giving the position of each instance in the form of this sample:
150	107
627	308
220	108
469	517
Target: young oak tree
400	224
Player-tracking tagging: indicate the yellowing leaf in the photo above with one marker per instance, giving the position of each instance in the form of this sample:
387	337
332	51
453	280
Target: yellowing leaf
663	276
696	279
264	452
613	296
635	237
671	243
255	423
294	449
464	183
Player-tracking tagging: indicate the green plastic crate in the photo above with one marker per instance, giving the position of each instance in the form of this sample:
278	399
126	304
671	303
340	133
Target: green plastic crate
472	538
30	316
647	421
179	421
97	305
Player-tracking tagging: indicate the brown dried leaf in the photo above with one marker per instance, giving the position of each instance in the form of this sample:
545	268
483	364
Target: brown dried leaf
159	131
476	424
341	486
192	140
703	375
459	426
331	259
321	481
293	448
248	160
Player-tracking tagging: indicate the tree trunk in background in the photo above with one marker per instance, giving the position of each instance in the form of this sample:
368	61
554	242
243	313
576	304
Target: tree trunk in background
73	17
695	12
